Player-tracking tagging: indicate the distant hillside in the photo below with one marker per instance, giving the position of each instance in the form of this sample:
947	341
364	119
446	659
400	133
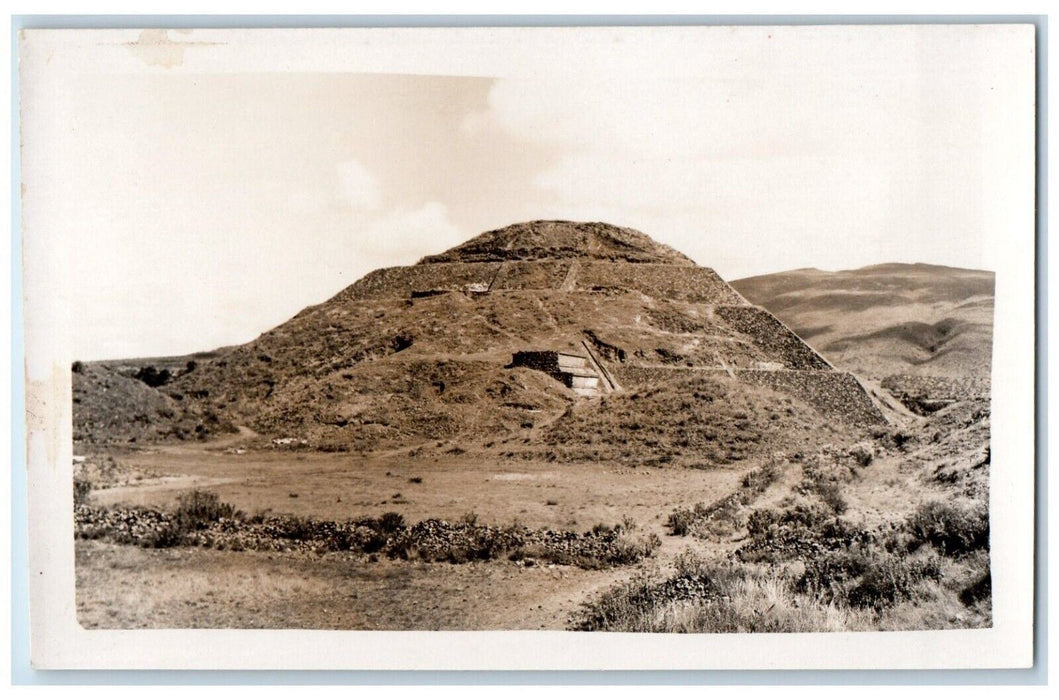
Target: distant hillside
887	319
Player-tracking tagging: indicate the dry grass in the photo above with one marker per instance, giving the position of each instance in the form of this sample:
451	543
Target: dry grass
336	486
725	515
726	598
131	588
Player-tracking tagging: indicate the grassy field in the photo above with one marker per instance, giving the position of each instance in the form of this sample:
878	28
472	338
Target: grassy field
128	587
888	533
339	486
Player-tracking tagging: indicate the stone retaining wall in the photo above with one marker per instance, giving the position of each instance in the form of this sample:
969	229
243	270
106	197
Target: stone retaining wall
678	282
531	275
773	337
400	282
834	394
662	281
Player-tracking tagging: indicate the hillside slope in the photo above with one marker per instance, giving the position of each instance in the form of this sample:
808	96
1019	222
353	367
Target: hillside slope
889	319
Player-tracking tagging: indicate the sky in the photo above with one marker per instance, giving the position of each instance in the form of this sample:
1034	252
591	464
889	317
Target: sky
200	208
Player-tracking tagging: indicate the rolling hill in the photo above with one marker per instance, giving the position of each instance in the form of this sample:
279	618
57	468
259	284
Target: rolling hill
891	319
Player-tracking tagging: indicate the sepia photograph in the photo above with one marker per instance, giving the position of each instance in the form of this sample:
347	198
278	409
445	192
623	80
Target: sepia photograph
687	332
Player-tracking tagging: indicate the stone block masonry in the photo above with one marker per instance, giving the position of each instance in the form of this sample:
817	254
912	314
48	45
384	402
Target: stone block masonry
532	275
574	371
769	334
677	282
837	395
663	281
401	282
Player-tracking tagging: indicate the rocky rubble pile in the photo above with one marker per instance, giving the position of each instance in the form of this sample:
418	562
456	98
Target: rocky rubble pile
429	540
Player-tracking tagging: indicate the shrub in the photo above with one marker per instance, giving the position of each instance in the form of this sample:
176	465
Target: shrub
952	529
390	523
862	454
828	575
760	521
680	521
198	508
831	494
890	579
375	543
77	367
865	577
82	489
763	477
168	535
980	589
629	550
153	377
294	528
603	530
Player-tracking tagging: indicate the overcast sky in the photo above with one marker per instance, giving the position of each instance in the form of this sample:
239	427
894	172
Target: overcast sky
202	208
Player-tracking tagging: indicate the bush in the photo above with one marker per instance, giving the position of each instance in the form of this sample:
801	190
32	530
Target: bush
760	521
681	520
978	590
169	535
760	479
153	377
862	454
866	578
629	550
82	488
77	367
831	494
603	530
951	529
197	508
390	523
890	579
294	528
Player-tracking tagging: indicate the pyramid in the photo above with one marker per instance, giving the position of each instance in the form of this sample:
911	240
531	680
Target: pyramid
545	318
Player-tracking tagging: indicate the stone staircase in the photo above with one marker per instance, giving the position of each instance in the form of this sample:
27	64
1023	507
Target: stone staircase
577	372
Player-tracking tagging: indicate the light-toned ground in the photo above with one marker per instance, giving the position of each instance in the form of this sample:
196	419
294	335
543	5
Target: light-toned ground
126	586
335	486
129	587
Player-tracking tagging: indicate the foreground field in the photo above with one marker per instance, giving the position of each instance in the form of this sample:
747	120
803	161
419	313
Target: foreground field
888	533
127	586
122	586
338	486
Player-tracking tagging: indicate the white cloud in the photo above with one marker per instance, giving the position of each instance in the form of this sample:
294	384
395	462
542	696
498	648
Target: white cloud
356	186
826	167
402	236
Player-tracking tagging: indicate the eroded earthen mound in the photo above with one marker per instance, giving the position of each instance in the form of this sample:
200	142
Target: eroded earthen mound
548	240
422	357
